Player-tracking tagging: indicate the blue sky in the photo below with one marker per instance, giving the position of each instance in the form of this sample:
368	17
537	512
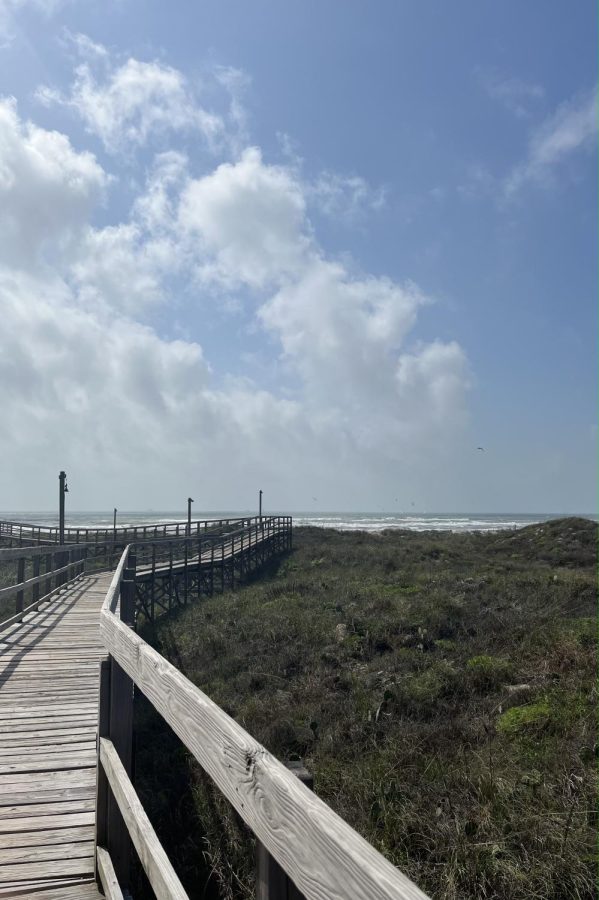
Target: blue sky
328	249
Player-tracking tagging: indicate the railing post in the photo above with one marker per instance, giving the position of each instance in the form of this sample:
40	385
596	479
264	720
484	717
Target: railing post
36	571
272	882
120	730
48	567
20	579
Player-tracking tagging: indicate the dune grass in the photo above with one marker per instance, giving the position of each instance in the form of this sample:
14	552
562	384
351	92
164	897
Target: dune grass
441	688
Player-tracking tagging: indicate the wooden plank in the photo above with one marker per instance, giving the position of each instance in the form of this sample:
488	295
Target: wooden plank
33	888
108	877
45	837
320	852
78	778
54	851
56	761
10	754
35	724
86	891
157	867
58	737
12	798
45	819
47	869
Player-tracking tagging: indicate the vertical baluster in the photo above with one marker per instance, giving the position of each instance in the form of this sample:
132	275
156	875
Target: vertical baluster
20	580
35	595
153	588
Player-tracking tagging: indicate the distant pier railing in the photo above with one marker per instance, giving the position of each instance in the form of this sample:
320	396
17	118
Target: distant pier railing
22	533
218	554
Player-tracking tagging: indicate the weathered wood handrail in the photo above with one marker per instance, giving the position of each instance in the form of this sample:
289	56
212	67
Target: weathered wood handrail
321	853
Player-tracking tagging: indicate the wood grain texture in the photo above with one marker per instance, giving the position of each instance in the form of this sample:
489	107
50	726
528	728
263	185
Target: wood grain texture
88	891
323	856
157	867
107	874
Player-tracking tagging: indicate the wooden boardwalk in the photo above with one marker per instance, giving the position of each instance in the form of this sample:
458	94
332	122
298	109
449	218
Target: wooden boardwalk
48	724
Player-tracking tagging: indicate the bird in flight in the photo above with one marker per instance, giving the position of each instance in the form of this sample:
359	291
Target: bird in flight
481	448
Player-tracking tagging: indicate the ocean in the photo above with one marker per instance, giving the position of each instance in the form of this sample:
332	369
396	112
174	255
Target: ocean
360	521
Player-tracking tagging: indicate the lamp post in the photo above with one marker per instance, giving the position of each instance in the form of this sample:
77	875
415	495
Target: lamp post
62	490
260	503
189	502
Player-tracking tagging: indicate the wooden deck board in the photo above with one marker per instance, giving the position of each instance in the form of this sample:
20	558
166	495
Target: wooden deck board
48	723
87	891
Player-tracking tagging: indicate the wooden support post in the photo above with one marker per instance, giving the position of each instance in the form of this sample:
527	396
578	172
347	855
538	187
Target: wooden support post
36	571
48	582
272	882
185	575
170	575
222	566
20	579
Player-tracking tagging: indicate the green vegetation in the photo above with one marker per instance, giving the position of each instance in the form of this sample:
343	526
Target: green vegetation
441	688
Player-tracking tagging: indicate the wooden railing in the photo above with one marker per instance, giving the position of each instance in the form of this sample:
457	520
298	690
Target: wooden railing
24	533
170	567
321	854
170	571
35	574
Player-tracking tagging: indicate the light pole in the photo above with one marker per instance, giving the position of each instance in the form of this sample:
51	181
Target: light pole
62	490
189	502
260	503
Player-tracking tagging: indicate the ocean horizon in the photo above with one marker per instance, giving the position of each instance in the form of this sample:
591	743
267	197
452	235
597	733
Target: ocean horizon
342	521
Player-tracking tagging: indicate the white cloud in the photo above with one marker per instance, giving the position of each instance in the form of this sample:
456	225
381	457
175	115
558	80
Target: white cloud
342	334
248	219
126	105
84	385
47	189
345	198
121	268
572	128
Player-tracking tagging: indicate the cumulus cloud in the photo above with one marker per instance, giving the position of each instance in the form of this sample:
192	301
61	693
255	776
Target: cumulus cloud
572	128
343	334
248	220
47	189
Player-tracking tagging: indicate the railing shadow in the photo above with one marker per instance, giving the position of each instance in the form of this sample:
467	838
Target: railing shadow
24	629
